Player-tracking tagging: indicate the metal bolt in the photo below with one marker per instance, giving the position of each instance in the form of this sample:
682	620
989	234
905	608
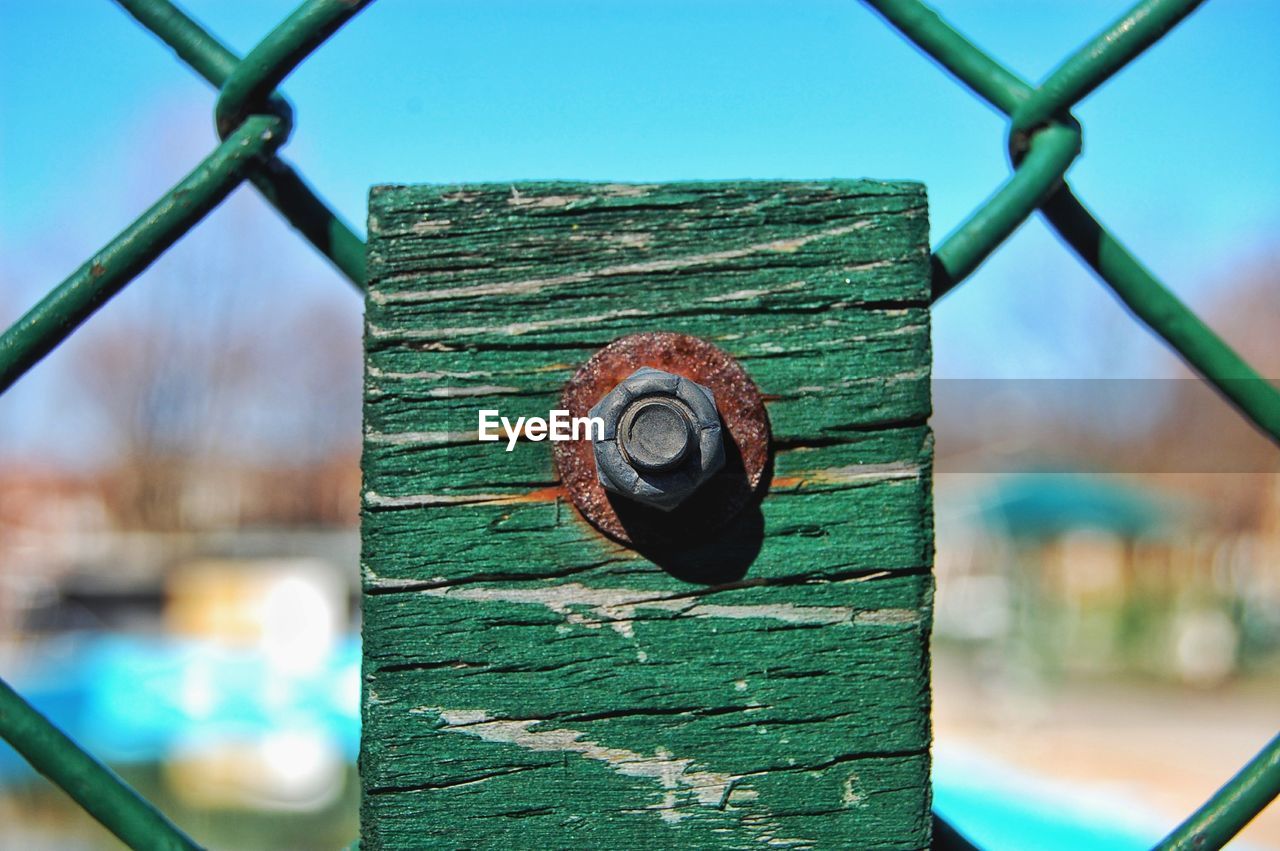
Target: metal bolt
662	438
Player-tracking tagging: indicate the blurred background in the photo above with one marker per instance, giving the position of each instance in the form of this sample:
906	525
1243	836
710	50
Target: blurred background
179	483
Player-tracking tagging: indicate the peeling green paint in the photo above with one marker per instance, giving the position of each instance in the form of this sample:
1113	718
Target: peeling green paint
528	682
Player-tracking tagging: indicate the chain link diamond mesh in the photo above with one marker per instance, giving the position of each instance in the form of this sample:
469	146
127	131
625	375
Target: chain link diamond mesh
254	122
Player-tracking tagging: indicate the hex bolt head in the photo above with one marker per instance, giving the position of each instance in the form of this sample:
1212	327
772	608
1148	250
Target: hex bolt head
662	438
656	434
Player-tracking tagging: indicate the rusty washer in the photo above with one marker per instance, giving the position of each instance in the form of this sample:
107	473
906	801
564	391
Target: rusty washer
687	444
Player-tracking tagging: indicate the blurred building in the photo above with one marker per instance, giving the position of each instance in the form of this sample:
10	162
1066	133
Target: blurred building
1070	574
72	560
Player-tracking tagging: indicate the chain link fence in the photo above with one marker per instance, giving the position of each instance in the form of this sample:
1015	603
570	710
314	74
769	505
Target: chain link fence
254	122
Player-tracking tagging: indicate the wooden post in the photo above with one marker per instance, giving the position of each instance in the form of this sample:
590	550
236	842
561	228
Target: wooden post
529	683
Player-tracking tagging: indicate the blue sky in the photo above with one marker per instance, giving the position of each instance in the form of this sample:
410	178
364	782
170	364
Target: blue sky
97	118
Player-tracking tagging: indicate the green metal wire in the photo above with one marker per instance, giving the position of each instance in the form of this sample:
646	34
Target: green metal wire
204	53
243	155
252	81
254	121
106	273
256	76
91	784
246	153
1050	153
947	838
1096	62
961	252
285	190
1160	309
1034	114
277	180
925	28
1232	807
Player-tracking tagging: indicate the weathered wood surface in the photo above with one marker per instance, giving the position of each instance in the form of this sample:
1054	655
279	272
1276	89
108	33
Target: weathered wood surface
528	683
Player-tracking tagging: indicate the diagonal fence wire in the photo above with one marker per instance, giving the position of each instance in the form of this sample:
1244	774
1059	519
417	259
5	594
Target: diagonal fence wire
1231	807
247	152
90	784
275	179
253	122
1041	142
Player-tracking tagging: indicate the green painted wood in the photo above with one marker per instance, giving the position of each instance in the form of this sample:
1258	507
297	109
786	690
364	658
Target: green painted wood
529	683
